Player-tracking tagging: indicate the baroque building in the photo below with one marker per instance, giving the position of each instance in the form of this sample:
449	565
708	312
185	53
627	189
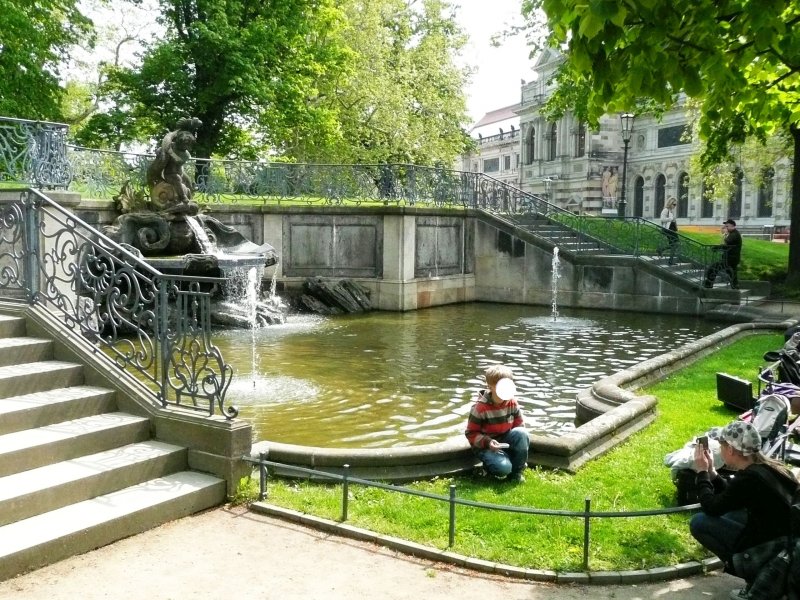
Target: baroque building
497	148
582	170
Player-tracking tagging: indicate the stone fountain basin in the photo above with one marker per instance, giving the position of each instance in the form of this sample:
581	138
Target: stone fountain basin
611	411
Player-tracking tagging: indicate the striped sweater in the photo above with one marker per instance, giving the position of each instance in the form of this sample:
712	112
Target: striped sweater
488	421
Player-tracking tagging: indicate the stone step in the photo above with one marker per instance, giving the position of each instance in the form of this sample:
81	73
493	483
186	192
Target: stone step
27	378
40	490
32	448
58	534
16	350
11	326
53	406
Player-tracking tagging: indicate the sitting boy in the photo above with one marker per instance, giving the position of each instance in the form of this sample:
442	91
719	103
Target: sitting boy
495	427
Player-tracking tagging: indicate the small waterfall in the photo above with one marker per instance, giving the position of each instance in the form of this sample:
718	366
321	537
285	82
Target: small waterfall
243	289
201	235
556	276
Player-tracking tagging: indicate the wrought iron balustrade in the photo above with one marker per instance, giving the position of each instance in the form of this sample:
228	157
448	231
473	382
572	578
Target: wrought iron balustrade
34	153
154	326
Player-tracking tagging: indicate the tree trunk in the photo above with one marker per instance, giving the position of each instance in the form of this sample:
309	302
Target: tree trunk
793	271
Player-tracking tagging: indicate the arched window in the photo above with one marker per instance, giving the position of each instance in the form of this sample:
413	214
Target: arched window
553	139
638	197
765	194
683	195
706	203
530	145
661	184
735	204
580	140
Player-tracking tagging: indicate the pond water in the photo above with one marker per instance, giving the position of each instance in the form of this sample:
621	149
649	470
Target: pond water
389	379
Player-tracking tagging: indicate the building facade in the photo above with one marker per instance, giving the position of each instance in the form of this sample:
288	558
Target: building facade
497	148
582	170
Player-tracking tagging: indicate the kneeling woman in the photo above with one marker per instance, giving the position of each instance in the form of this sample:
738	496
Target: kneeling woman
750	509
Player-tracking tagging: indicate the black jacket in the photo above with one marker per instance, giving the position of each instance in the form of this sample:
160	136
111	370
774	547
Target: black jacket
768	514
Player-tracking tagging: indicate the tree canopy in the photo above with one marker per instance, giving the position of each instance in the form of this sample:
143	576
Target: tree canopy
740	59
402	98
311	80
36	37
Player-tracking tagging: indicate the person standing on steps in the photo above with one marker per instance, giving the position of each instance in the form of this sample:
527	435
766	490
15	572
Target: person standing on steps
669	228
495	427
729	260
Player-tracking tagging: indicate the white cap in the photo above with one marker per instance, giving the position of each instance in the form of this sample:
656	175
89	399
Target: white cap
505	389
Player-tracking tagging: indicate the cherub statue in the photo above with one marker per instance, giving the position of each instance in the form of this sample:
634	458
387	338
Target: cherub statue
166	180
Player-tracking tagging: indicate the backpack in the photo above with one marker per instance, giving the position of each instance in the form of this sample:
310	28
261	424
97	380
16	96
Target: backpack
770	415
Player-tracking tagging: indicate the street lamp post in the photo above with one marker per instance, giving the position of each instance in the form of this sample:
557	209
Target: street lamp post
626	120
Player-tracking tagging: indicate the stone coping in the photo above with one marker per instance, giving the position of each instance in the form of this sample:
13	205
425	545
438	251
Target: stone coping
608	412
651	575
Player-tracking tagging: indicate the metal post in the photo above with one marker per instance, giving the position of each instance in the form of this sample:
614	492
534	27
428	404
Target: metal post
587	510
262	477
622	203
345	491
626	119
32	242
452	538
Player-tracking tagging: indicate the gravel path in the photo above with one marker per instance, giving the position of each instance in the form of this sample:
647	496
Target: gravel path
231	553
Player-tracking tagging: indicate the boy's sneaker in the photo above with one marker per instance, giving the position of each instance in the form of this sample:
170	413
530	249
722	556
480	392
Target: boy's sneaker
740	594
517	477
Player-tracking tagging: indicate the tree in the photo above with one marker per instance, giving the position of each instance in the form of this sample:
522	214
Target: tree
740	59
35	39
367	81
401	99
241	67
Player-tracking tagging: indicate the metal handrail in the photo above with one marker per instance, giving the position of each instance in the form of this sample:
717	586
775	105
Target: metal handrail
36	153
346	479
155	326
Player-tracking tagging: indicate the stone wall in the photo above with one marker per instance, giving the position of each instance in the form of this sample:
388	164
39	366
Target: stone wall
411	258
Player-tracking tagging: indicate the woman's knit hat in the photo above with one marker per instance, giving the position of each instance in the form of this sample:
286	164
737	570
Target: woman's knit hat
742	436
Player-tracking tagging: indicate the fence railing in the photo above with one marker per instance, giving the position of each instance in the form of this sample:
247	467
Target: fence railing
36	153
156	327
453	501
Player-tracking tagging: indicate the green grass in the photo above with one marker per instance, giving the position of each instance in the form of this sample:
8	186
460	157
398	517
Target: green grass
630	477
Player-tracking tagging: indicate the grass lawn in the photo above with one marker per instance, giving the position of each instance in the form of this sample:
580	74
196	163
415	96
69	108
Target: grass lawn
630	477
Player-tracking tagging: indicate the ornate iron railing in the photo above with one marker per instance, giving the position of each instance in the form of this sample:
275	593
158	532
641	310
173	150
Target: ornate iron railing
34	152
154	326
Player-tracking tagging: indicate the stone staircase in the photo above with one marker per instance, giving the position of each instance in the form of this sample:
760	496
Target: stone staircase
76	473
567	240
559	235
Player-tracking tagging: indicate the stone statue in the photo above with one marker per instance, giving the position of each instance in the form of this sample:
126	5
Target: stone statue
612	183
167	182
604	183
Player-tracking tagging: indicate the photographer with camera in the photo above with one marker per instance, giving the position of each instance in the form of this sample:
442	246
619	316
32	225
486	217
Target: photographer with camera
749	510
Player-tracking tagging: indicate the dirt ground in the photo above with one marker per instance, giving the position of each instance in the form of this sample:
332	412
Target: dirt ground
232	553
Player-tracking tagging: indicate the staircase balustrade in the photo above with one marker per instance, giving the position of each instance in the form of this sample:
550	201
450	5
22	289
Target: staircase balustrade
154	326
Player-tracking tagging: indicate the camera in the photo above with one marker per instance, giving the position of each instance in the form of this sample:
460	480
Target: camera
703	441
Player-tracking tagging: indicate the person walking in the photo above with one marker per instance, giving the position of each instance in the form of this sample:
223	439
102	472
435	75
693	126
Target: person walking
669	229
728	262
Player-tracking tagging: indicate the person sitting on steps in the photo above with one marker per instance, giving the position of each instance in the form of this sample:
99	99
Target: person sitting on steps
731	255
495	427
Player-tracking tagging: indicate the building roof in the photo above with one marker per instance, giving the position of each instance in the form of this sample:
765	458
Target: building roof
492	122
497	116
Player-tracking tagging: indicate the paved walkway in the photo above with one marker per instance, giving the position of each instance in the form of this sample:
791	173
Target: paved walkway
231	553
